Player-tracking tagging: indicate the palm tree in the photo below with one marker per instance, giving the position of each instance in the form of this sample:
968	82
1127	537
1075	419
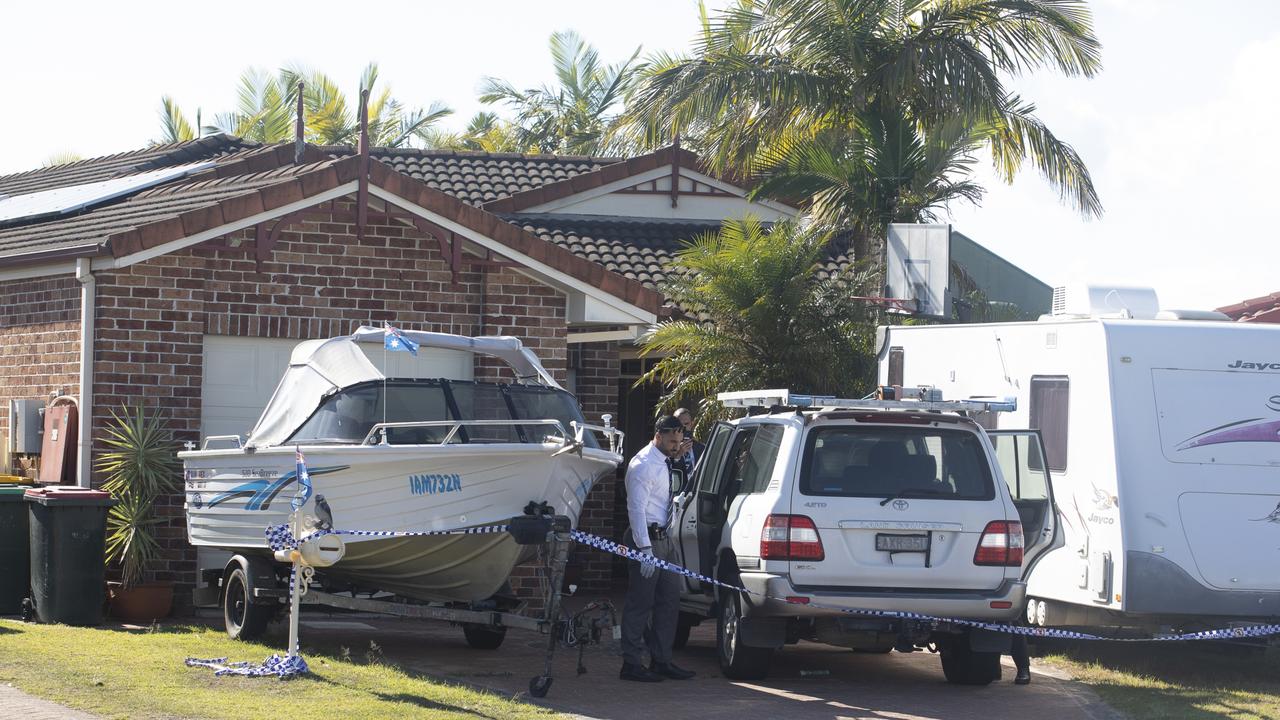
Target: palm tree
760	316
574	116
176	126
486	132
769	78
266	111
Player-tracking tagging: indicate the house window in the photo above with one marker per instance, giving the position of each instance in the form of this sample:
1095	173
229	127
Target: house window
1049	403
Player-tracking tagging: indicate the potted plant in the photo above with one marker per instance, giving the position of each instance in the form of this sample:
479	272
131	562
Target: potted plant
140	466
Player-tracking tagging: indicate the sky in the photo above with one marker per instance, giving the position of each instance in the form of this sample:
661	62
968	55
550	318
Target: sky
1178	130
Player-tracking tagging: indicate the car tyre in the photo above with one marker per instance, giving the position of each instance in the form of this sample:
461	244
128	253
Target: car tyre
684	624
962	665
738	661
243	618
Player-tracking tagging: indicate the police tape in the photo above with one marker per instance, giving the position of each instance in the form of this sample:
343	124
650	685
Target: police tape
279	537
1252	631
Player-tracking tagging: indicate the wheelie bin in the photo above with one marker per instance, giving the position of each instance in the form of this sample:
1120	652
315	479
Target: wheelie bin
68	536
15	566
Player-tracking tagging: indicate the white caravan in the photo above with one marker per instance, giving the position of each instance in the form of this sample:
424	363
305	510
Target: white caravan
1162	438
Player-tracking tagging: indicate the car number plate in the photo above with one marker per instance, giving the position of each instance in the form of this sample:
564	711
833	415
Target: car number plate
902	543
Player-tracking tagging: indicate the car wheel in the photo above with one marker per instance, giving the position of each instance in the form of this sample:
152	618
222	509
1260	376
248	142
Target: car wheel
962	665
738	661
244	619
684	623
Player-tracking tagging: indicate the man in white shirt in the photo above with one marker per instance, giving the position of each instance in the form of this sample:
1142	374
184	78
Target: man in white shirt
653	597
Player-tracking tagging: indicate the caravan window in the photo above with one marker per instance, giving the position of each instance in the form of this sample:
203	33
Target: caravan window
1049	403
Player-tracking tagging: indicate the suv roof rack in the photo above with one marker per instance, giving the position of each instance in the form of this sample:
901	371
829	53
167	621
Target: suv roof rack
785	398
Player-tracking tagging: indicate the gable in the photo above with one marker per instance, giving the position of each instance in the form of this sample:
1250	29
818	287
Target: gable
650	195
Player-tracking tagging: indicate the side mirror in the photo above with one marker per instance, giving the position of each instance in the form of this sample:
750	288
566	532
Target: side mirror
677	481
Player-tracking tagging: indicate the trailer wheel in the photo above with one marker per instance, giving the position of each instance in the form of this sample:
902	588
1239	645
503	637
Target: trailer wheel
962	665
481	637
539	686
244	619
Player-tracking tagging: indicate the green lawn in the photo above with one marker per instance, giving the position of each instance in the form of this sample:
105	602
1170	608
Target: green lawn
140	674
1176	680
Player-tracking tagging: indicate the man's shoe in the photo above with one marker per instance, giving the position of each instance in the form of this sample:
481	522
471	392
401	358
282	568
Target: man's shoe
672	671
1023	677
638	673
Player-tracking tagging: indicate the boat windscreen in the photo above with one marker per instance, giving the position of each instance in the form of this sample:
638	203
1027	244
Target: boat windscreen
348	415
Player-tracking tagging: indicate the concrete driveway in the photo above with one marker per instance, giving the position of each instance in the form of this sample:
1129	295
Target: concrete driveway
846	685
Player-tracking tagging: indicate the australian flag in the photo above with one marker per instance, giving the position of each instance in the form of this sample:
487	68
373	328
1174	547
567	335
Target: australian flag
395	341
304	480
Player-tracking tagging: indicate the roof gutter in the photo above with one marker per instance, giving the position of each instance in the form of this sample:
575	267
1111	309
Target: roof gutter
88	301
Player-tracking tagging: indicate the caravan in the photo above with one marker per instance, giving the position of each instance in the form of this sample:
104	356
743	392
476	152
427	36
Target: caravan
1161	432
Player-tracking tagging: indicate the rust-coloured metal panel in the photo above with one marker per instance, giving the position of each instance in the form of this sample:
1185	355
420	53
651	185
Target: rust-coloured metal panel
58	452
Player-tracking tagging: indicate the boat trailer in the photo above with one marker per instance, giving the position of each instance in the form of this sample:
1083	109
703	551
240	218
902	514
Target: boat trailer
246	614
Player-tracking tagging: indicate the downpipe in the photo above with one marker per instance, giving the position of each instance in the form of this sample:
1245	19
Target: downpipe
84	441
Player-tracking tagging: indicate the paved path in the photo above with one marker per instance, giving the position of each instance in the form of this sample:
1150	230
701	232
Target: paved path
15	704
855	686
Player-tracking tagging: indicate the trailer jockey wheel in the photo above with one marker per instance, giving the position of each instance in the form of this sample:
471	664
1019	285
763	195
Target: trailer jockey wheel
539	686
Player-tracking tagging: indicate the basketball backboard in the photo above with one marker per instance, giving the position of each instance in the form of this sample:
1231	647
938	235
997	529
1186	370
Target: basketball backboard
918	266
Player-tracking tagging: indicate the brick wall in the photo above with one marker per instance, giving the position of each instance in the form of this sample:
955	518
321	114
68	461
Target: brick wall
320	281
39	340
597	391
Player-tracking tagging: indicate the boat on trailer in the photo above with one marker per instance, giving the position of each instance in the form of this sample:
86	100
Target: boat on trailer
401	455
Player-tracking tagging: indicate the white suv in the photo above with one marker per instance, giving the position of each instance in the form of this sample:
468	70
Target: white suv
861	507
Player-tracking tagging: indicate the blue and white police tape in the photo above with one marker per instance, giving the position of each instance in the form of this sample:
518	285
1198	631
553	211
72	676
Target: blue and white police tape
1253	631
280	538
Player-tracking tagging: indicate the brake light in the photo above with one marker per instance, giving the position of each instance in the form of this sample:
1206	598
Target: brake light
790	537
1001	544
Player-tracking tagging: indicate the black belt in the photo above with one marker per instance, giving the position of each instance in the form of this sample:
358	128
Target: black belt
657	532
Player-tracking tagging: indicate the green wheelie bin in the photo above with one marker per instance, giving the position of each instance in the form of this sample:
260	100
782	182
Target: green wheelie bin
68	538
15	566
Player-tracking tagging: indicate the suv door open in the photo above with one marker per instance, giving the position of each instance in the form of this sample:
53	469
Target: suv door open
1020	455
704	483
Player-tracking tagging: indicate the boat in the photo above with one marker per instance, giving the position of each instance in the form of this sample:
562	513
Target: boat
403	455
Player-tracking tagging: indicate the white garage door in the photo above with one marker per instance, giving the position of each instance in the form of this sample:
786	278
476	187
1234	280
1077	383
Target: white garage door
240	374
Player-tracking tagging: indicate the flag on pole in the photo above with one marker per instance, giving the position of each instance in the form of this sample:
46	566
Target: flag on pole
395	341
304	480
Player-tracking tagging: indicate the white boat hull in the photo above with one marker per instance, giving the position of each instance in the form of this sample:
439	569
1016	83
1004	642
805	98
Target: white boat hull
233	496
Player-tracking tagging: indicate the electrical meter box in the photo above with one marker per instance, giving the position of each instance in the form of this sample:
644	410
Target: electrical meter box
26	421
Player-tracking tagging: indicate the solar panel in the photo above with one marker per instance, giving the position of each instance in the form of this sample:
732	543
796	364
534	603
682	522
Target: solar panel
64	200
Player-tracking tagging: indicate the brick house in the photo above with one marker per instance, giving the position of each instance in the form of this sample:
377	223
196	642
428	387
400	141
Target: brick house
182	275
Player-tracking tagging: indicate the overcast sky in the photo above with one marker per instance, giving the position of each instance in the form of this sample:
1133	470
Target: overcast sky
1178	130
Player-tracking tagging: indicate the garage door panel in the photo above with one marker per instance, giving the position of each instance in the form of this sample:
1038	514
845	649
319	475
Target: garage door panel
240	375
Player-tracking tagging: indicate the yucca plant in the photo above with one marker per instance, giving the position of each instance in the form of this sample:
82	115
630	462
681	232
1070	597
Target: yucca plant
141	465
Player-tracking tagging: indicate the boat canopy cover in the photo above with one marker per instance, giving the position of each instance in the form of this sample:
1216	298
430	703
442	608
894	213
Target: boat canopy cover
320	367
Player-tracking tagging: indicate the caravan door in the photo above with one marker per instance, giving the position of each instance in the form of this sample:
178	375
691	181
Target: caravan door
1021	457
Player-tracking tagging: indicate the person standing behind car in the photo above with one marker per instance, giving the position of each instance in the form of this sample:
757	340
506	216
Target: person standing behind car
690	449
653	598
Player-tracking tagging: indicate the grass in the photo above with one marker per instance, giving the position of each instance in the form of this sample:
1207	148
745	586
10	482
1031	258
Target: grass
140	674
1182	680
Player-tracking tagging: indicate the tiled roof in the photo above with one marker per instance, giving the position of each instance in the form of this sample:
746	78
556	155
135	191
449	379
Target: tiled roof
639	248
180	206
478	177
126	163
1260	309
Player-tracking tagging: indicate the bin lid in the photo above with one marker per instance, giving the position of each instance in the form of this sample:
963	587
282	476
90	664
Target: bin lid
68	495
16	480
11	493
